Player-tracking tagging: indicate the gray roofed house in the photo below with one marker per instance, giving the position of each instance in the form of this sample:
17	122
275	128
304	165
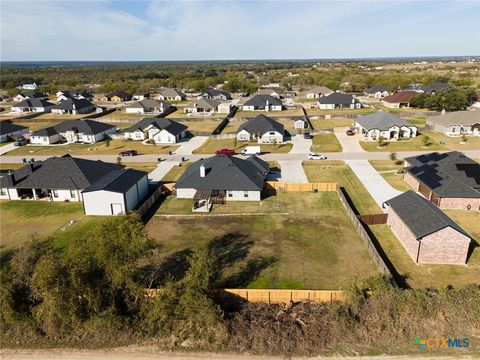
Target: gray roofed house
116	96
261	128
171	94
32	105
438	86
377	91
339	100
29	94
385	125
456	123
11	131
160	130
263	102
73	106
216	94
426	232
202	106
117	181
73	94
148	106
318	91
449	180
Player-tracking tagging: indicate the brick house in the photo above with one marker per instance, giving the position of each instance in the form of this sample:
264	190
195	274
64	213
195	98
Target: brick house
449	180
428	234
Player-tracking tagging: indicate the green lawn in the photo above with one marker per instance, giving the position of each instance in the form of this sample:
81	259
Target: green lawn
453	143
341	173
313	247
211	145
417	121
289	112
10	166
319	124
325	143
174	174
317	111
101	148
414	144
432	275
388	170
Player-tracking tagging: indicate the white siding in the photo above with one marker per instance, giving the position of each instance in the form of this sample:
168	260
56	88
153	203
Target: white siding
271	137
45	140
100	202
64	195
240	196
243	135
185	193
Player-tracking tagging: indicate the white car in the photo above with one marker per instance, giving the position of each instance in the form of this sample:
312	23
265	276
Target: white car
315	156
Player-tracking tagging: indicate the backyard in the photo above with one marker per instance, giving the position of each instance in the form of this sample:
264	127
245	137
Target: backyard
274	243
325	143
415	144
211	145
389	172
319	124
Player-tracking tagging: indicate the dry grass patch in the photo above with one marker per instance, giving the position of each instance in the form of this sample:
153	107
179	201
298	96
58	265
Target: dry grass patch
414	144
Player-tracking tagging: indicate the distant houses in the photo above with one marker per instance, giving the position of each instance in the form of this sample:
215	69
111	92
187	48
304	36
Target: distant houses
148	106
377	91
116	97
318	91
263	103
29	95
435	87
32	86
338	100
400	99
215	94
32	105
73	106
159	130
456	123
262	129
74	94
276	92
9	131
73	131
386	126
171	95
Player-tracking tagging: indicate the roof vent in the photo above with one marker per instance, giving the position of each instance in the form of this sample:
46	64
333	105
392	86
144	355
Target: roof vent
203	171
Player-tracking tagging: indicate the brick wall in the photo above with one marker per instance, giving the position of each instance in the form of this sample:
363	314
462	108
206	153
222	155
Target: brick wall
410	180
403	234
460	203
446	246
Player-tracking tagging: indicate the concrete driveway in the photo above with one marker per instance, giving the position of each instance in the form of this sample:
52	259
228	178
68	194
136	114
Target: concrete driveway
300	145
161	170
6	148
187	147
377	186
292	171
350	144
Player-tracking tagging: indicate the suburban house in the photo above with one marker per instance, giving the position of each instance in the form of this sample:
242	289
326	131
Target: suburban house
456	123
318	91
433	88
160	130
261	128
202	106
449	180
376	91
57	179
148	106
215	94
338	100
29	95
65	95
118	192
171	95
222	178
73	106
275	92
11	131
138	97
384	125
428	234
116	96
263	102
32	105
33	86
73	131
400	99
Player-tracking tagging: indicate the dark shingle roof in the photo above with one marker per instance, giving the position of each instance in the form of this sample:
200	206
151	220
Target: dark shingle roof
338	98
223	173
451	175
438	86
120	94
149	103
8	128
64	172
215	93
262	124
118	181
19	174
421	216
32	94
261	100
33	103
83	126
376	88
171	126
381	120
73	104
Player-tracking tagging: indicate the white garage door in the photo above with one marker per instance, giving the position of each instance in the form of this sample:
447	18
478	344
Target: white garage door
116	208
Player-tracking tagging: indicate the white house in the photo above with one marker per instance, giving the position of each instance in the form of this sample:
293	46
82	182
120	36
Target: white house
386	126
160	130
339	100
171	95
456	123
67	94
32	105
318	91
148	106
29	86
215	94
263	129
118	192
29	95
73	106
11	131
263	103
377	91
202	106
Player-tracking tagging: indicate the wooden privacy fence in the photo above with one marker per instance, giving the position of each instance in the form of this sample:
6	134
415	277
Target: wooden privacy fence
285	186
168	186
373	219
275	296
364	235
147	204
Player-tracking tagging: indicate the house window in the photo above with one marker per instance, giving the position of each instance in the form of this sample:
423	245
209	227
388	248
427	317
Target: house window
73	194
55	193
272	133
230	194
245	194
3	191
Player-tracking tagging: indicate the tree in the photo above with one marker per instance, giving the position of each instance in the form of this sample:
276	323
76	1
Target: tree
381	142
393	156
426	141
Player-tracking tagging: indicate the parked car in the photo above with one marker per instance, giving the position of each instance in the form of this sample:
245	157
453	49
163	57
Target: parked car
350	132
225	152
129	153
307	136
251	150
315	156
20	142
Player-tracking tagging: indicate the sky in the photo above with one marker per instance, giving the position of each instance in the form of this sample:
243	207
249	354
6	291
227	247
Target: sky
102	30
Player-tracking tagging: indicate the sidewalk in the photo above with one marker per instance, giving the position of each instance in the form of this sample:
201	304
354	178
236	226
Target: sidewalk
187	147
161	170
6	148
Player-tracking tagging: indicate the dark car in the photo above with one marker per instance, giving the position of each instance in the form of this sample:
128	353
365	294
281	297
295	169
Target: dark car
129	153
225	152
20	142
350	132
307	136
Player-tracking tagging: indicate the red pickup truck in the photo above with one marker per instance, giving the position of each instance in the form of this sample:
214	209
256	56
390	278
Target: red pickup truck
225	152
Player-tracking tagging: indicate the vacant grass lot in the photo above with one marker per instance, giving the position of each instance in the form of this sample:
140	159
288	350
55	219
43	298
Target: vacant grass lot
62	117
453	143
37	125
208	125
432	276
211	145
414	144
314	246
339	172
288	112
388	170
122	115
325	143
232	126
101	148
320	124
317	111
